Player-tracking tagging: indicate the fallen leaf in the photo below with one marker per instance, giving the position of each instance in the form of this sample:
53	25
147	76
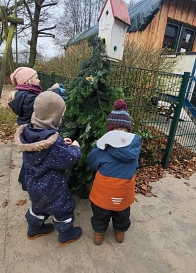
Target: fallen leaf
187	183
177	176
21	202
5	203
1	174
155	195
148	194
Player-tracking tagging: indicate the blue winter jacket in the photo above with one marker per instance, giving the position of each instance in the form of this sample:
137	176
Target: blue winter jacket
46	156
22	106
116	162
114	184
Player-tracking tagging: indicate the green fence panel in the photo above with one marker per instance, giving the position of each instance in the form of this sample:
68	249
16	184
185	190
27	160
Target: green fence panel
175	122
46	81
162	107
152	98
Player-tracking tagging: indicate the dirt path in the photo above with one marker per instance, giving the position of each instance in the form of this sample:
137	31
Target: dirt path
4	96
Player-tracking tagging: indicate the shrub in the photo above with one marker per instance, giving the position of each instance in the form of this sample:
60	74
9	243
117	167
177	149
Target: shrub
90	99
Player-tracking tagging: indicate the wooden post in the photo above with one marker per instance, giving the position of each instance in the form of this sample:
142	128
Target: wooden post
9	35
5	56
14	20
6	30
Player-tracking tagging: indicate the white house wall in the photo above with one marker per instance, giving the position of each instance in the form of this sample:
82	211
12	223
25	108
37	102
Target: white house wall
184	63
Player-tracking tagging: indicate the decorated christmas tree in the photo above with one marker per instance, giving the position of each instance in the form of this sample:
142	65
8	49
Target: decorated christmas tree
90	99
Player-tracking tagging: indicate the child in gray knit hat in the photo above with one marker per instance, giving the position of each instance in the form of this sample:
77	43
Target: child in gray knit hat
46	156
27	84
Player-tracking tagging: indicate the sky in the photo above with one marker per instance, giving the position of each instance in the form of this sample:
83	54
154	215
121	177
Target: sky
46	45
49	50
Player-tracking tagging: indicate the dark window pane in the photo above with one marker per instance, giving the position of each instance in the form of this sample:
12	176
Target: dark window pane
170	36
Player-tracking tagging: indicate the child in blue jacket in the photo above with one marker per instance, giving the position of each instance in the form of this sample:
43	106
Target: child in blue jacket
27	84
115	160
46	156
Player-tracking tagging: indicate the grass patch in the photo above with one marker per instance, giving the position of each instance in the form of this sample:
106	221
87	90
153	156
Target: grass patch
8	124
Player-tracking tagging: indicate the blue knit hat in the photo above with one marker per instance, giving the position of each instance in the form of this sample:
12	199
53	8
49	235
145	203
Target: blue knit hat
119	118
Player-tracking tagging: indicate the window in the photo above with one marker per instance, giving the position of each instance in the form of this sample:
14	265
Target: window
179	37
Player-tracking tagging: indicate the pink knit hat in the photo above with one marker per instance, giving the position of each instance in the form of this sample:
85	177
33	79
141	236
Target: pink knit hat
21	75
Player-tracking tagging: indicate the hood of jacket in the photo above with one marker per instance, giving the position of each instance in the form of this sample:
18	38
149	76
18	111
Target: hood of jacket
126	154
17	103
36	142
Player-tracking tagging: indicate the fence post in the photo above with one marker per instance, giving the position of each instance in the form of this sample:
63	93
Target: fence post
53	78
39	75
174	124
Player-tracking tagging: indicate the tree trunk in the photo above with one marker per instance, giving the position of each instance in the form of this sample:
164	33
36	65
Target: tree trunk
6	30
34	35
5	56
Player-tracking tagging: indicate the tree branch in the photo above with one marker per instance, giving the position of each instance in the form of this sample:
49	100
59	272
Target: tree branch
18	4
45	34
49	5
28	10
43	29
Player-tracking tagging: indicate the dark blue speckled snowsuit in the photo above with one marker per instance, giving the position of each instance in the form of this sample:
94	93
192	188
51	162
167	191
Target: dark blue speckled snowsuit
46	156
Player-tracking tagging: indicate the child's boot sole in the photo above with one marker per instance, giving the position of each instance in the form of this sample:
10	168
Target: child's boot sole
70	241
39	235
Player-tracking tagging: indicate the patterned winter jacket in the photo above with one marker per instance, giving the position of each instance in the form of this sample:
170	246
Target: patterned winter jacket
114	184
46	156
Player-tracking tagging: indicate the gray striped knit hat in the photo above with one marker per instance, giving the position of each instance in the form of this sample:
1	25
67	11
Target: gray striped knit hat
119	118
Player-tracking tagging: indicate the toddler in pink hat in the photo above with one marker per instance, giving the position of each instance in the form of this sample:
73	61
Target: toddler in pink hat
22	75
26	82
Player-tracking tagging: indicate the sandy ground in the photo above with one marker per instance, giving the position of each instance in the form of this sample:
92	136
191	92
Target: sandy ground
161	238
5	94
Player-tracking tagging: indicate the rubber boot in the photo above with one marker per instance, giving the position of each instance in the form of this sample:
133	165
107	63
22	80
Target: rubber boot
69	237
98	238
119	236
43	230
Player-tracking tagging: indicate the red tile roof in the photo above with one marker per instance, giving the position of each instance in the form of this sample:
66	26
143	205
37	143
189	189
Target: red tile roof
119	10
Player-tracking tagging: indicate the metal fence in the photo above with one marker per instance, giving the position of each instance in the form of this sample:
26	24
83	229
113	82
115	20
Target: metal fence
162	112
162	109
47	81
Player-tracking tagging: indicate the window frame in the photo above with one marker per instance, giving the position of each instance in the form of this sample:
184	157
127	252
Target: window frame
181	27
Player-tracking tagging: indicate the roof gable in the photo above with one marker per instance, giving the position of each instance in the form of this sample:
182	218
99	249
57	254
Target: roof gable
119	11
141	13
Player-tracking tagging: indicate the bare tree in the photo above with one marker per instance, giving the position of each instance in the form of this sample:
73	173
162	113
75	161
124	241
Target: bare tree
10	7
38	22
78	15
74	17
